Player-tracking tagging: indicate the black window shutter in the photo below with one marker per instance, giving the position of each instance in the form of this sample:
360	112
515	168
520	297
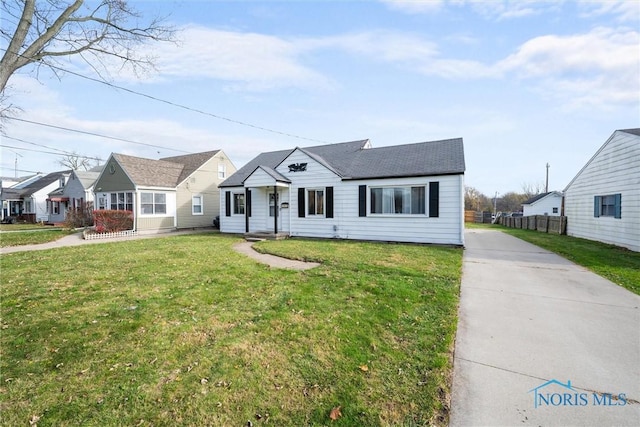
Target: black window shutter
596	206
362	200
329	211
301	204
618	205
248	202
434	199
227	203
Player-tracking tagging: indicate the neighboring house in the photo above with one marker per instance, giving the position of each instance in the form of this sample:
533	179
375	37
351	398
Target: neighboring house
602	202
165	194
10	196
76	195
27	201
543	204
402	193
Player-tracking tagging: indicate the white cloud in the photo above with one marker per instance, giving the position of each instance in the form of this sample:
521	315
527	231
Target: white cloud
625	11
254	61
597	68
415	6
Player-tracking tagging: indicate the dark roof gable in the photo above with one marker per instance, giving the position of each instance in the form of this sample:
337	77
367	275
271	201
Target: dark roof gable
632	131
535	198
354	160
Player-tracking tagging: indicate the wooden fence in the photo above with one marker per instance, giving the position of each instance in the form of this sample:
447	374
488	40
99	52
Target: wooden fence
479	217
543	223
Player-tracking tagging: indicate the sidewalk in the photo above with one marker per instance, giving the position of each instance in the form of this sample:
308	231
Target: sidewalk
77	240
528	317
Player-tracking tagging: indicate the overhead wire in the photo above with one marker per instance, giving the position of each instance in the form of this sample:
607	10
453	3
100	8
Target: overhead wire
115	138
184	107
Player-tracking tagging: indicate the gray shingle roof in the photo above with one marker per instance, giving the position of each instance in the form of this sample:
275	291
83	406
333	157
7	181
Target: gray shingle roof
351	160
535	198
273	174
191	162
43	182
166	172
88	178
632	131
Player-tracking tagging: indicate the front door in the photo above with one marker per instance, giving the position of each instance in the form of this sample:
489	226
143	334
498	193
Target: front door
273	205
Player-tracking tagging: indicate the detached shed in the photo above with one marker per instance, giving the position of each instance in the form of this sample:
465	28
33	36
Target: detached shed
549	204
602	202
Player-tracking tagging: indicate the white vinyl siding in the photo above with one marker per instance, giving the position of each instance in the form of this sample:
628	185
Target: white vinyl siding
614	169
548	205
345	223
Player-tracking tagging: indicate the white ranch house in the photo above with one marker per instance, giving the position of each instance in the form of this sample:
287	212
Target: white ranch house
602	202
402	193
549	204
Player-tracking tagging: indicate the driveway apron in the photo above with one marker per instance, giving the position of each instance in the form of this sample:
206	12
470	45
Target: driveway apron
542	341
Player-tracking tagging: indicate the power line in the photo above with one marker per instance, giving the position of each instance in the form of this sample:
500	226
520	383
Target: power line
195	110
115	138
69	153
38	151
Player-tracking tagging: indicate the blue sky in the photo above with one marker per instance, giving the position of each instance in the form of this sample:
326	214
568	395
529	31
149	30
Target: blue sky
524	83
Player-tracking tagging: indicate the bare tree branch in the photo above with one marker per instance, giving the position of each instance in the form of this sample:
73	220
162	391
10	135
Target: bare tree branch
50	29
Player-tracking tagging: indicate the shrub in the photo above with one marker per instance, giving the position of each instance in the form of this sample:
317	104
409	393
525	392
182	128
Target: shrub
79	217
111	221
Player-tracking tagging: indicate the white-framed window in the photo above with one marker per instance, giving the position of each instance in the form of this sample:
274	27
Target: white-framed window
122	201
196	205
315	202
555	210
153	203
55	208
222	170
398	200
238	204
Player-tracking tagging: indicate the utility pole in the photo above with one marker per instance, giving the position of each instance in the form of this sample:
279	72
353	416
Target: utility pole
546	185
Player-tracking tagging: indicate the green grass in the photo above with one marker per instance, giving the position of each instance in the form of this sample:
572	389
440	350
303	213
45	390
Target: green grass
33	237
183	330
617	264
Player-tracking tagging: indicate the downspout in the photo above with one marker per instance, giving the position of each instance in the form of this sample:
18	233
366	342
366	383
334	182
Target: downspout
275	209
136	209
290	210
462	209
246	210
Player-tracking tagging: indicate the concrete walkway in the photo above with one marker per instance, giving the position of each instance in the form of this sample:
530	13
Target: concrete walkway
528	317
244	248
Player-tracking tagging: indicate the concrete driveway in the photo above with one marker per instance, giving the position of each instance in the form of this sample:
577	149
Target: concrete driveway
542	341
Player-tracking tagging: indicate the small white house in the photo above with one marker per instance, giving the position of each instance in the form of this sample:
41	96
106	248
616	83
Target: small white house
402	193
549	204
602	202
27	201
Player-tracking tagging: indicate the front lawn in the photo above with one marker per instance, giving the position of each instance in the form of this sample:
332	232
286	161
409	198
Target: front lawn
617	264
182	330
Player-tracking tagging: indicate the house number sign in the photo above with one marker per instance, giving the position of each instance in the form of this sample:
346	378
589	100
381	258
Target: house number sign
297	167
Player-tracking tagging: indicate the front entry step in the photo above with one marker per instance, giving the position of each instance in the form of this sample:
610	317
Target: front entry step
257	236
